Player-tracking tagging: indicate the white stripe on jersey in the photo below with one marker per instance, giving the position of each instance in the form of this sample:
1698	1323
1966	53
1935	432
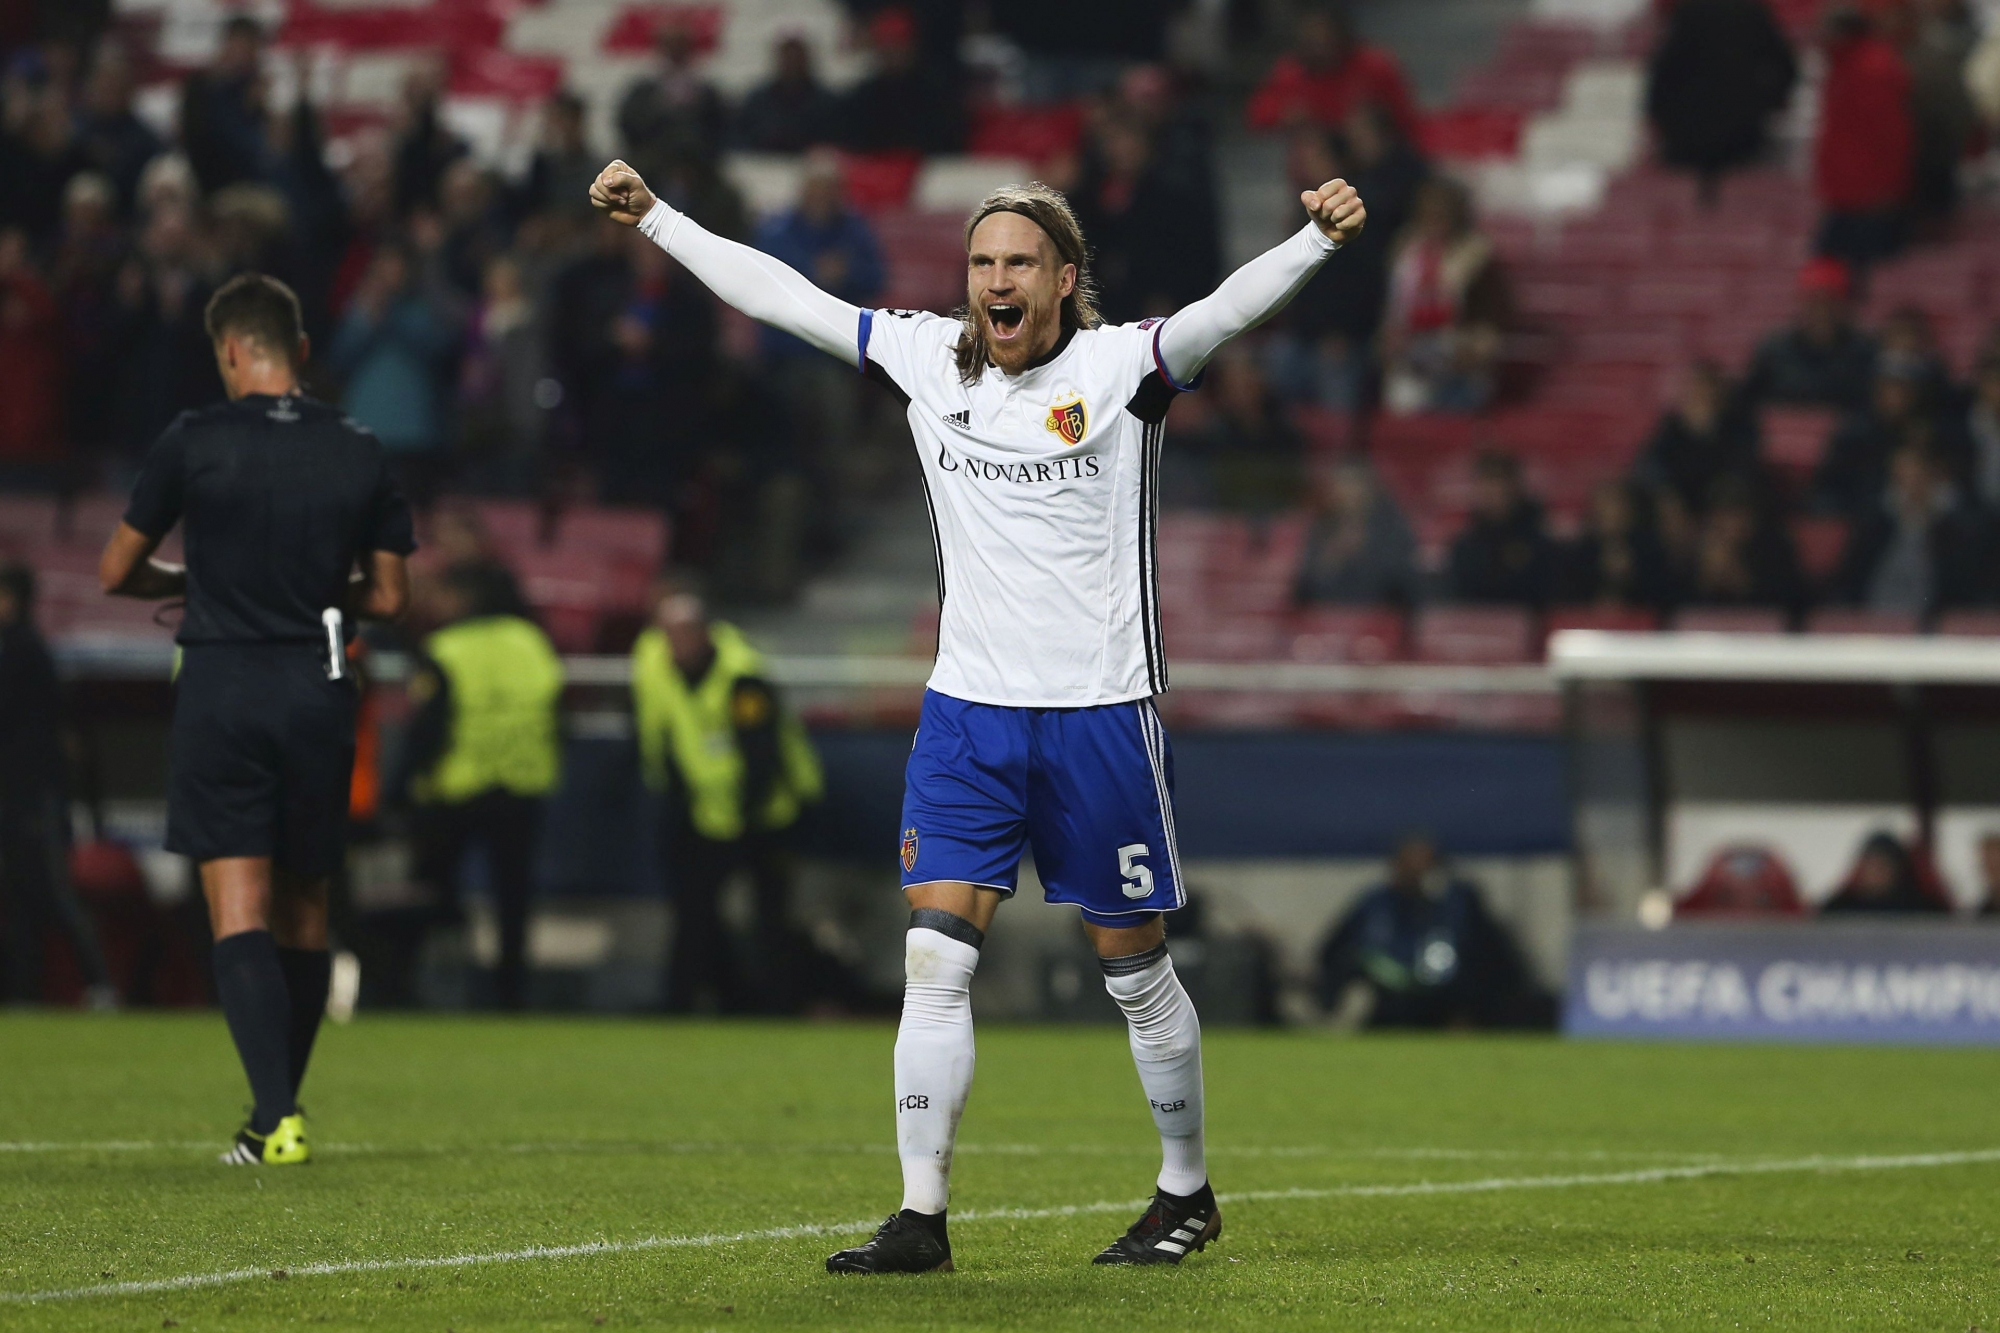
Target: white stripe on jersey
1043	490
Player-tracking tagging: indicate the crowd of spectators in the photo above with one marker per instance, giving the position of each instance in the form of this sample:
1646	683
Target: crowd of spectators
1909	481
501	339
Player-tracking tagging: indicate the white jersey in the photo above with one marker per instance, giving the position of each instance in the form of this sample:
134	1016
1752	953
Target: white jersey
1043	486
1043	492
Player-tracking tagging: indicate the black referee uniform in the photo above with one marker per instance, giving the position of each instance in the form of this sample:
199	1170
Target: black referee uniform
279	497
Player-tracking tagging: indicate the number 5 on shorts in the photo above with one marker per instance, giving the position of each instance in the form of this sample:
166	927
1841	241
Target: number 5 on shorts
1138	879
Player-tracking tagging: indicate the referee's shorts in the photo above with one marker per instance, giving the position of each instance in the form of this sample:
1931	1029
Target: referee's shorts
262	756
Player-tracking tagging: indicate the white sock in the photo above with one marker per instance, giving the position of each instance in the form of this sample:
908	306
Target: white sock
1166	1045
934	1056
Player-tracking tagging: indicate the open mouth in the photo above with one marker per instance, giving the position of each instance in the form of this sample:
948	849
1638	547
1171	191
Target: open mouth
1005	319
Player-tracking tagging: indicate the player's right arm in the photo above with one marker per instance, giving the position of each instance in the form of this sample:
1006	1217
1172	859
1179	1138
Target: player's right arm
752	281
127	567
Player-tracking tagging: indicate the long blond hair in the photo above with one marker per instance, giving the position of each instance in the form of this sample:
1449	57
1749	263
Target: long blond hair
1044	206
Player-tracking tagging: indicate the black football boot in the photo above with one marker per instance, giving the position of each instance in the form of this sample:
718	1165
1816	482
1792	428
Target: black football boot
909	1242
1173	1225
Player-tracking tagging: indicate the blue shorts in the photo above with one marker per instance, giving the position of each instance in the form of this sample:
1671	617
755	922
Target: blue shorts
1090	789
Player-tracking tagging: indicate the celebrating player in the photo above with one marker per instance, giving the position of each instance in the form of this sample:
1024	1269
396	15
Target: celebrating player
1039	432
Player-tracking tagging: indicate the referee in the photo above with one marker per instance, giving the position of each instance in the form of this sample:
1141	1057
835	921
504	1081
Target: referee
293	530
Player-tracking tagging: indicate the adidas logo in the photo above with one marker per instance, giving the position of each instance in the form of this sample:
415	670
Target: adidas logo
962	420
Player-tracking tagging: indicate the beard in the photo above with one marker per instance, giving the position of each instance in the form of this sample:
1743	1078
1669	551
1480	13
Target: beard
1037	328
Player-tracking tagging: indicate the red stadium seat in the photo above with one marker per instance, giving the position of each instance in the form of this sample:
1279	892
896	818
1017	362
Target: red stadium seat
636	26
1467	132
1820	541
1475	635
1856	620
1795	438
1630	619
1970	624
1346	634
638	535
1730	620
1037	133
881	180
26	522
569	592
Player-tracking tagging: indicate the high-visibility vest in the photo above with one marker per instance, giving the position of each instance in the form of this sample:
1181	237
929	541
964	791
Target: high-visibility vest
504	682
694	732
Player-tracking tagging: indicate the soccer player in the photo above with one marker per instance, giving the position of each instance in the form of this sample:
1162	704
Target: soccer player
280	499
1039	433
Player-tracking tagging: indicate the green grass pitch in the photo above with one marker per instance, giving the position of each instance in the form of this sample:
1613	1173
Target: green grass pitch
1448	1183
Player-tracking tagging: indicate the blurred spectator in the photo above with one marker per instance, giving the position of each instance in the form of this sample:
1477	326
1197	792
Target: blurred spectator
475	230
458	540
1907	345
1821	359
392	351
115	140
1937	39
164	362
503	384
1739	556
1617	560
1182	140
1865	161
564	165
32	434
1155	235
835	247
1359	550
425	145
1448	307
222	110
672	115
825	240
1849	479
791	111
1743	880
1324	338
733	770
1328	72
901	104
634	340
1989	875
1888	878
1429	954
1920	548
39	151
85	277
1247	457
35	893
1721	70
1503	554
1983	431
1703	437
482	752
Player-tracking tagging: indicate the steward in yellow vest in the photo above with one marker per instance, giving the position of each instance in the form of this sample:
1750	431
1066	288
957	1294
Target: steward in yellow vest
733	770
485	747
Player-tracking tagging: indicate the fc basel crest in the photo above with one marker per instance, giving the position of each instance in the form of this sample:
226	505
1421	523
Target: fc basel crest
909	849
1069	420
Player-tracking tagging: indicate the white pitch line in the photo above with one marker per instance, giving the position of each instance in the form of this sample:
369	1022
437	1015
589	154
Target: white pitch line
1649	1176
585	1147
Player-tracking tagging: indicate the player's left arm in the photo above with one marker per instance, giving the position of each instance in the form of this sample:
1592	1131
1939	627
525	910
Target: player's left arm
127	567
1262	287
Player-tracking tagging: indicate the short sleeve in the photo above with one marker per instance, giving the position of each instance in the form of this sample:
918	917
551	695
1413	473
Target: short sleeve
157	496
906	345
390	526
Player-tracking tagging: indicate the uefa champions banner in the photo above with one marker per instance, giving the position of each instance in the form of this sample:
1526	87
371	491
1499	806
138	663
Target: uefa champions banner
1881	981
